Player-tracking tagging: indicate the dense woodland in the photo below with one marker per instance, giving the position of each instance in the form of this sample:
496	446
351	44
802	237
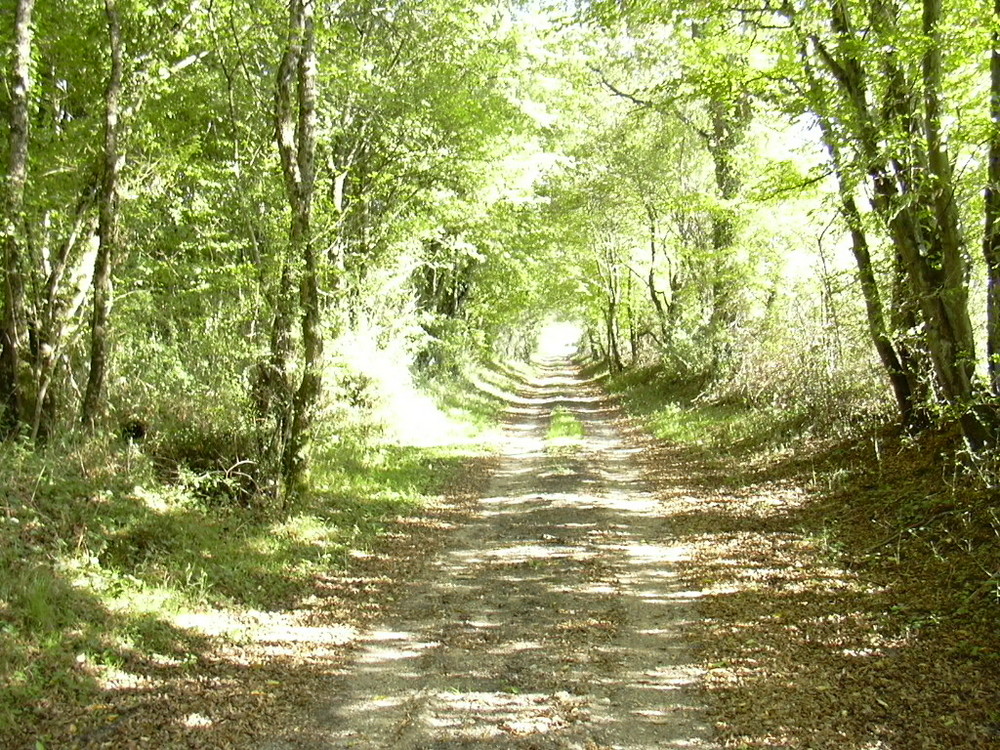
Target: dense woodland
202	200
230	225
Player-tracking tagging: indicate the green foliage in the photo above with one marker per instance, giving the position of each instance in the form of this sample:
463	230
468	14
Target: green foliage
651	170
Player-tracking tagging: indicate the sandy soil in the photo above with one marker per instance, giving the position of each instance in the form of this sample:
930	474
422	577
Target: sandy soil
555	618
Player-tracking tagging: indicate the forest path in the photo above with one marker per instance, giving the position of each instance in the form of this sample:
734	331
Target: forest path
554	619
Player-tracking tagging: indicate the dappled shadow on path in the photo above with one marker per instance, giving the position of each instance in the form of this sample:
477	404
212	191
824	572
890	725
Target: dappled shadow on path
556	620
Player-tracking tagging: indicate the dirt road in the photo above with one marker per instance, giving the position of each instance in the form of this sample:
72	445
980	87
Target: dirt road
554	619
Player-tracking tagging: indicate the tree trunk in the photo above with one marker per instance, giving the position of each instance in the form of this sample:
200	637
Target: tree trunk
913	191
729	123
899	379
991	236
296	132
59	311
611	329
107	226
633	329
654	295
878	329
12	332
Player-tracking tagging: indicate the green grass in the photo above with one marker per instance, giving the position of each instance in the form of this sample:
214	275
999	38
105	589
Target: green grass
563	425
674	412
100	552
714	426
478	395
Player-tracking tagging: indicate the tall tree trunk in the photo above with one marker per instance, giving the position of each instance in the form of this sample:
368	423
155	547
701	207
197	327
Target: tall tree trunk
296	132
899	378
730	119
12	331
58	310
878	329
655	296
913	190
633	330
607	267
107	226
611	332
991	236
954	282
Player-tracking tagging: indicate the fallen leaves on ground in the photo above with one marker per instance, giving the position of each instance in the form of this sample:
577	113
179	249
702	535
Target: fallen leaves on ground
823	624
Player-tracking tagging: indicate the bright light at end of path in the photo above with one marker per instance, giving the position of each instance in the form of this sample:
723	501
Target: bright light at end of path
559	339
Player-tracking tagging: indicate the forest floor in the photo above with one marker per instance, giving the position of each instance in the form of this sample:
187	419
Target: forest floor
592	587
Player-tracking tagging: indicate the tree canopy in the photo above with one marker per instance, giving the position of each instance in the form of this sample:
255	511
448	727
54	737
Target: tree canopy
204	202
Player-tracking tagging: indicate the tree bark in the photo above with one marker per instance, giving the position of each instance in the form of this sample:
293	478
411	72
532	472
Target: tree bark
913	190
607	267
107	226
59	310
12	331
611	331
296	132
991	236
655	296
899	379
729	123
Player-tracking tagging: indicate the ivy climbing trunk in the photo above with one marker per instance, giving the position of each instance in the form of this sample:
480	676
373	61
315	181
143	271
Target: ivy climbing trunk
107	225
295	111
12	333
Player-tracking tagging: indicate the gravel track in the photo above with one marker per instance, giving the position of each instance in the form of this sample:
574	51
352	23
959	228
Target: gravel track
554	619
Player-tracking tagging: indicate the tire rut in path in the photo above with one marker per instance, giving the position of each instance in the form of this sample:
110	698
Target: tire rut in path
553	620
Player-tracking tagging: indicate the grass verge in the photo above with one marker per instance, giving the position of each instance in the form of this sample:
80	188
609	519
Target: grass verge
106	565
674	411
563	425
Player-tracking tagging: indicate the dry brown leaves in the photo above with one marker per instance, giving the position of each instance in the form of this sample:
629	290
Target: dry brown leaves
810	636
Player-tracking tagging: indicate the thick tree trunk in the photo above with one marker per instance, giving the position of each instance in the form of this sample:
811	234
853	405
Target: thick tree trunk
978	423
296	131
107	227
914	192
12	331
991	236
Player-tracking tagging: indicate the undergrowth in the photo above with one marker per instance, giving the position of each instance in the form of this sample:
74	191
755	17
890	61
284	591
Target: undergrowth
104	550
678	412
